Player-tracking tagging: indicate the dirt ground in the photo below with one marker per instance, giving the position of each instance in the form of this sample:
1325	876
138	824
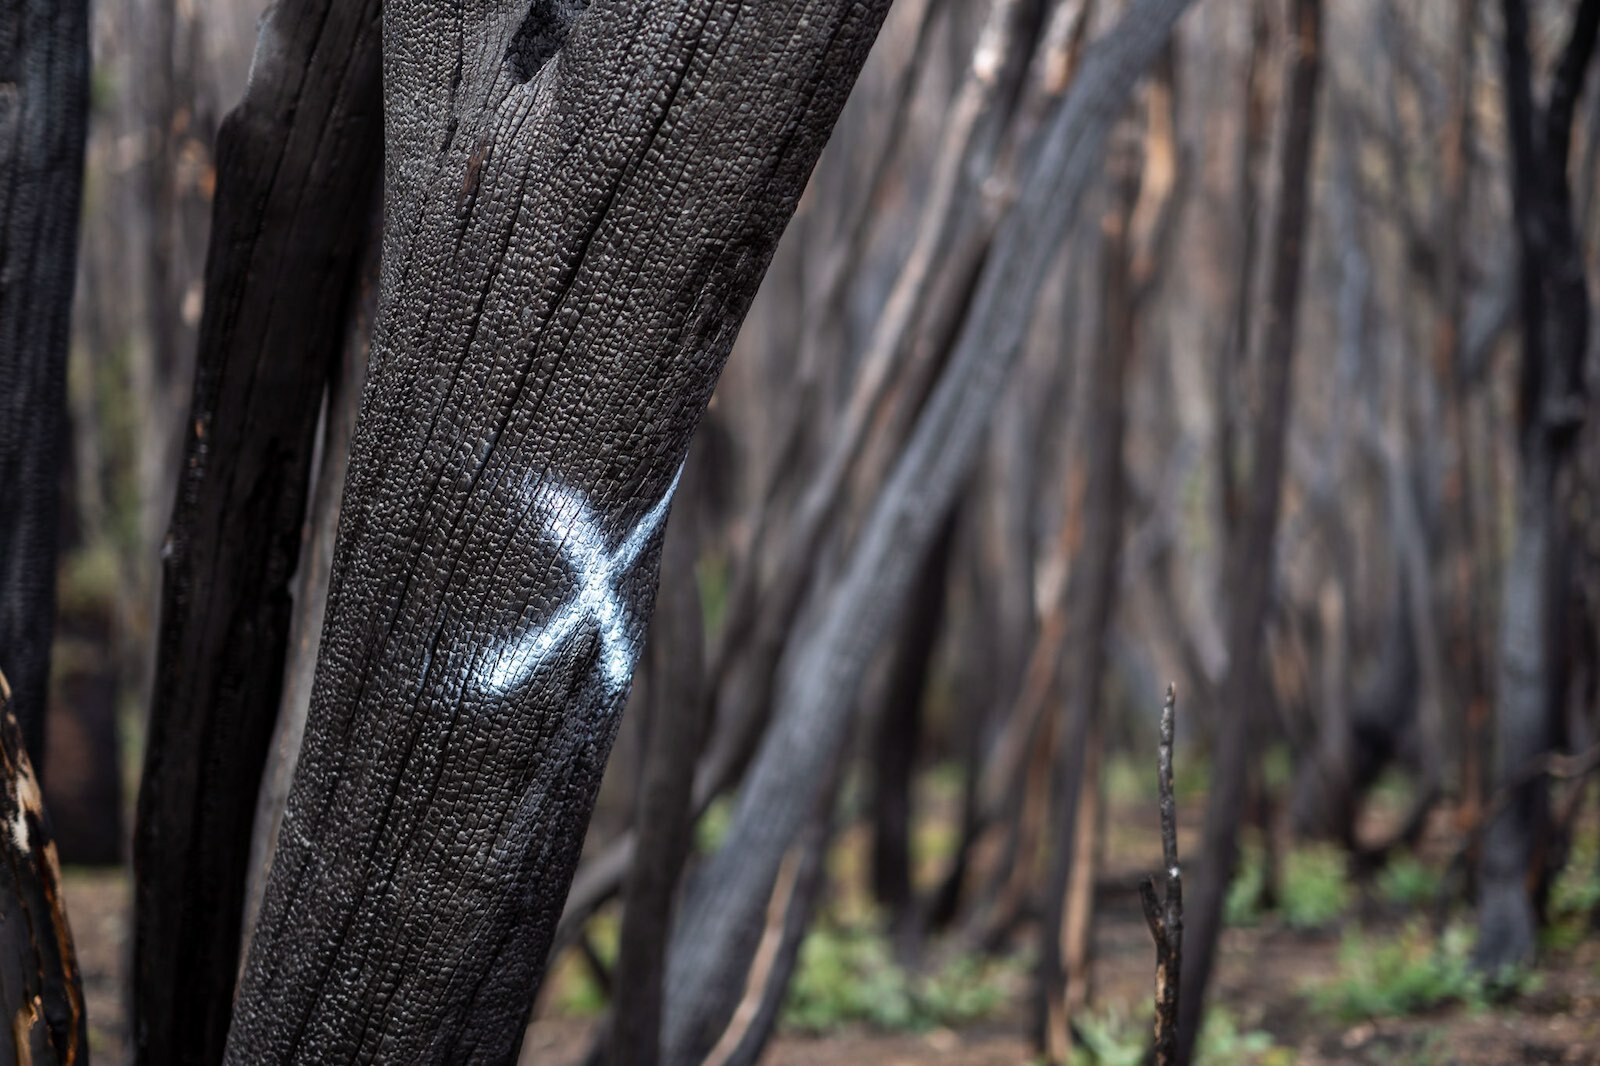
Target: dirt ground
1264	972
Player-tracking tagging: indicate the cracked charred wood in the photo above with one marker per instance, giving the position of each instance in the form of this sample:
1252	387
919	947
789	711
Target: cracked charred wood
579	205
41	993
44	106
720	927
1246	573
1555	334
297	162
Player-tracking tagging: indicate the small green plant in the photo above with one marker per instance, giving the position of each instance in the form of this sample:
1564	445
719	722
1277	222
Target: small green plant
576	992
1114	1035
1410	974
1316	887
1243	905
846	975
1406	881
713	826
1576	891
1574	897
1223	1042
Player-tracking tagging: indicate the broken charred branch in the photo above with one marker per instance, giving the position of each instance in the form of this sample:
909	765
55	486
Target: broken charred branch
1164	914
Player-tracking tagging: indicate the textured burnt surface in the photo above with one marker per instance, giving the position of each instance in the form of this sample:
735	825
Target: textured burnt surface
568	254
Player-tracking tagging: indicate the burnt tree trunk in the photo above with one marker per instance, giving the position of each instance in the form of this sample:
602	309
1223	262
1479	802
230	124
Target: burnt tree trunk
44	103
897	738
1249	563
297	161
41	993
579	205
1555	337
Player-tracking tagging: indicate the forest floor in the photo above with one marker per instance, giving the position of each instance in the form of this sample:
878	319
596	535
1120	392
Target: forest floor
1340	973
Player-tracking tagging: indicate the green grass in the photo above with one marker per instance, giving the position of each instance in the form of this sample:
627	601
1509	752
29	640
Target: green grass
1406	881
1574	896
1316	887
1314	894
1114	1035
847	976
1409	974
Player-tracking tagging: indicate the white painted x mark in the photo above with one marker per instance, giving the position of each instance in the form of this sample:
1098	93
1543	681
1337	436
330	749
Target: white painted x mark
570	524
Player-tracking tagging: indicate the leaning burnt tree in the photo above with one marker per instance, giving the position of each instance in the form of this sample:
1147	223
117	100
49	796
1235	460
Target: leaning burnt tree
44	110
1554	297
579	205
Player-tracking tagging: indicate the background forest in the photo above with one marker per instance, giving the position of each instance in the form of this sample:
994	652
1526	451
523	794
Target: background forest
1301	422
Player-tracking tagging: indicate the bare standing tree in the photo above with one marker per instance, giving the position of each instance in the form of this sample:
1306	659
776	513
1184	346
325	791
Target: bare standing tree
1248	566
44	104
1551	408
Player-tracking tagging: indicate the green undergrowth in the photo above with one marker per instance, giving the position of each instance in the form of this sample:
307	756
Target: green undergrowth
1407	881
1315	892
1574	896
847	976
1392	976
1115	1035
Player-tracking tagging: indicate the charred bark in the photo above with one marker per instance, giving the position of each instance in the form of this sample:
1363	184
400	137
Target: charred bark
41	993
1248	566
44	104
297	162
580	203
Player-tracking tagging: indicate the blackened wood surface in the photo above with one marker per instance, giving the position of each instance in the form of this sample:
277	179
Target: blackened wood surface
41	994
297	161
44	98
578	212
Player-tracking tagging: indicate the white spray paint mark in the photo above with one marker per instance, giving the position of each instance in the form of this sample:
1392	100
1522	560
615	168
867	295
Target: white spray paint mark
578	535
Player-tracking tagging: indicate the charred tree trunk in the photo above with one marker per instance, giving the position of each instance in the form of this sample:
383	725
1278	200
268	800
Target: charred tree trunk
556	305
1555	338
1249	564
297	163
41	993
898	736
44	68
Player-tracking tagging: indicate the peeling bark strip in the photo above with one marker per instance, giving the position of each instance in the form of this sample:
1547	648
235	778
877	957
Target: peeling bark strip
297	164
44	103
577	218
41	994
